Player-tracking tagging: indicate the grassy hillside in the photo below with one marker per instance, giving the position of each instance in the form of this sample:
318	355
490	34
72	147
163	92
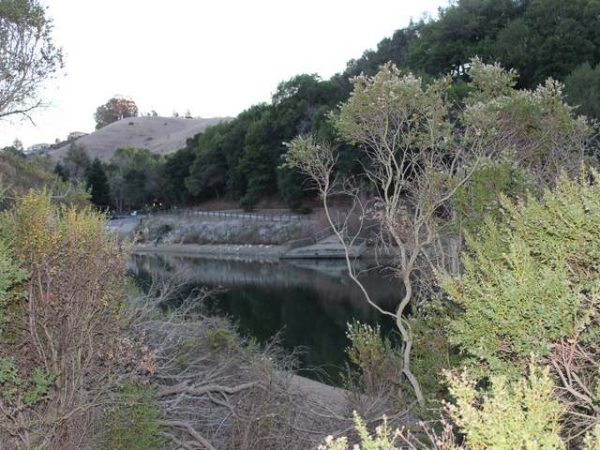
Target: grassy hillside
160	135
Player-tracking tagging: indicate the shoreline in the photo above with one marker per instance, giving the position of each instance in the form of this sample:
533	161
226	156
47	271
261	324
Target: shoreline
253	252
248	251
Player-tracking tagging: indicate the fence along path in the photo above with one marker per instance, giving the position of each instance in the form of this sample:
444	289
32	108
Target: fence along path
257	216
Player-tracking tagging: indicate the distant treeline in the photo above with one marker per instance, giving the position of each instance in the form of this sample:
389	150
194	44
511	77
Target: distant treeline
241	159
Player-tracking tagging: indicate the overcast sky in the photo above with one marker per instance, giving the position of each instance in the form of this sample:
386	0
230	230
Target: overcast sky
215	58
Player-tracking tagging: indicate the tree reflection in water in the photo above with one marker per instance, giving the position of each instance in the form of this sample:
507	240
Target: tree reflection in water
308	302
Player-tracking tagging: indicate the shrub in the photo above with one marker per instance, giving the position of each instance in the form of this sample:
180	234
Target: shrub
65	328
510	415
479	197
133	422
378	363
531	279
384	438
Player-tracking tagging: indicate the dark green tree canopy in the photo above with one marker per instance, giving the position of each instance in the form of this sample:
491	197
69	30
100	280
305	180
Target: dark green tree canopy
241	159
97	184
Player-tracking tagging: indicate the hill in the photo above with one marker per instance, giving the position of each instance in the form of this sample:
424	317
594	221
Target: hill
160	135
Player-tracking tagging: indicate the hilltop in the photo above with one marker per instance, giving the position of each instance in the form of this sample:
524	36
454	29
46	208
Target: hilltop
160	135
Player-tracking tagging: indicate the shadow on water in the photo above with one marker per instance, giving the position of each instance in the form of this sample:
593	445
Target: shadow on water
307	302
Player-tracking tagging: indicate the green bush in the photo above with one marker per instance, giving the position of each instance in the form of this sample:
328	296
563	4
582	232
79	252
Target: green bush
510	415
133	422
531	279
480	196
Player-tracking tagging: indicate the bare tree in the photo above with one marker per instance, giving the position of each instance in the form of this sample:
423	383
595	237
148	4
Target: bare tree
28	56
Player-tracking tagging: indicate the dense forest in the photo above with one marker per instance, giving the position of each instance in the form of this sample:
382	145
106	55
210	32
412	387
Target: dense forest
241	159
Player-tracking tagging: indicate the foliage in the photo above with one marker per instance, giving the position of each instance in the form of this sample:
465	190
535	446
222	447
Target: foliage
519	414
20	393
534	128
240	159
133	422
384	438
76	162
582	87
19	174
135	178
115	109
464	29
592	440
433	353
175	169
97	183
73	296
379	364
480	196
510	415
29	56
529	280
538	38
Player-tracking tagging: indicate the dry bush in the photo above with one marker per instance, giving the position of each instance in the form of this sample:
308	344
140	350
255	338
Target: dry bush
216	390
64	334
575	366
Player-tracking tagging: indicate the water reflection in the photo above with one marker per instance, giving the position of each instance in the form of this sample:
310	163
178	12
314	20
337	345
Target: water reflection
309	302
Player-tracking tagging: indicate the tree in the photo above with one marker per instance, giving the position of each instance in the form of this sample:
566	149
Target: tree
29	56
550	39
582	87
97	183
135	178
422	157
18	145
465	29
175	169
76	162
115	109
414	166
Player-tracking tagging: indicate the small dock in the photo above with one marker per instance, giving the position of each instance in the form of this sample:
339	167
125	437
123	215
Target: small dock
326	248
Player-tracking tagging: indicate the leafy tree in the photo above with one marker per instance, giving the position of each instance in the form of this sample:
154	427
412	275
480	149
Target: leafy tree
76	162
135	178
538	38
582	88
29	56
395	49
115	109
550	39
463	30
209	172
415	165
481	196
536	129
175	169
133	423
97	183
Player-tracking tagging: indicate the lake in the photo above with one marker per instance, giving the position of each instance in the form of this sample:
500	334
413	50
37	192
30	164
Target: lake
309	302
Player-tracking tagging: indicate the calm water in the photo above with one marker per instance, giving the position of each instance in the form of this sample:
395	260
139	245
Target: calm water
308	302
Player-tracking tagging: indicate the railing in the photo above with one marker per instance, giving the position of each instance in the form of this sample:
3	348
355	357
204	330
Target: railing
262	216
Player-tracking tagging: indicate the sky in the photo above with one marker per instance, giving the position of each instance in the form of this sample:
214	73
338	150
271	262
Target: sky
211	57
